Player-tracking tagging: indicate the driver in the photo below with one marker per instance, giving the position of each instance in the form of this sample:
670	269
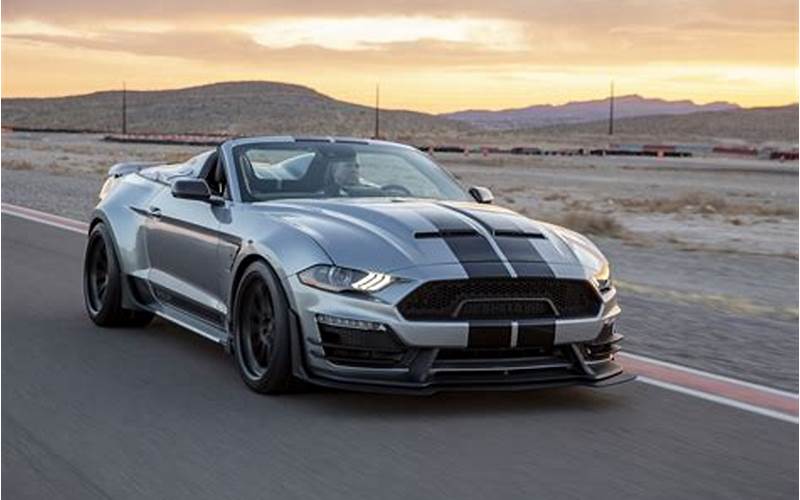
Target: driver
343	174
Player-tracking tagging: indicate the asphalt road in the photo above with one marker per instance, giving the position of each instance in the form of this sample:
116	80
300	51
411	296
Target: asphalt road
161	413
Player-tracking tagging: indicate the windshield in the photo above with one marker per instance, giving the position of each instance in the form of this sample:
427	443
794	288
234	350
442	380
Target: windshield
329	170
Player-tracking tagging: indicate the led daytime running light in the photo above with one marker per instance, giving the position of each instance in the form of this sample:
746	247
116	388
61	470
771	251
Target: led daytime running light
372	282
355	324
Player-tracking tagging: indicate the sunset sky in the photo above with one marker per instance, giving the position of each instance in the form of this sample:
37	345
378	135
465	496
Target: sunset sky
430	56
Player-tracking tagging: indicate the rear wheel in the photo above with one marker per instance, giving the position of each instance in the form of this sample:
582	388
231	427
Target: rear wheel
261	335
102	284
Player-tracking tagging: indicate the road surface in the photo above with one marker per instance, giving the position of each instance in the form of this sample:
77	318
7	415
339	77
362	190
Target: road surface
161	413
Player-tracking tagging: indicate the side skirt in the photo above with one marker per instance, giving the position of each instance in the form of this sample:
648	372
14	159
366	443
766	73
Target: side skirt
181	311
193	324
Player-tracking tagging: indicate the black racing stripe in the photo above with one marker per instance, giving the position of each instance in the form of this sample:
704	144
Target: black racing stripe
518	249
533	269
536	335
472	250
485	269
488	336
444	221
523	257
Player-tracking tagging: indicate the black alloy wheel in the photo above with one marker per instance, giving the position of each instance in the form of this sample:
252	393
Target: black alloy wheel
261	332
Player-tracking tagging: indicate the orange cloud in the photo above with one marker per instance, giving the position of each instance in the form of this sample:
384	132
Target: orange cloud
431	56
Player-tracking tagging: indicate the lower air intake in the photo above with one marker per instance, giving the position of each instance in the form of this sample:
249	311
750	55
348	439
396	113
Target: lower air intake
356	347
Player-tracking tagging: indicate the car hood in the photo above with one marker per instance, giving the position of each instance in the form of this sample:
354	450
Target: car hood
392	234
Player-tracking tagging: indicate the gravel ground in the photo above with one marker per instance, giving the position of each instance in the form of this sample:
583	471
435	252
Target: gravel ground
709	301
68	196
730	205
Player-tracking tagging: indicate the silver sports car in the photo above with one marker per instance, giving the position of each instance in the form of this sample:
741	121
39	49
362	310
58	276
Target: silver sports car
350	263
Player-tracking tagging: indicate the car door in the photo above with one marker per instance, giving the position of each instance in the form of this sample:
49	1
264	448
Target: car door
182	243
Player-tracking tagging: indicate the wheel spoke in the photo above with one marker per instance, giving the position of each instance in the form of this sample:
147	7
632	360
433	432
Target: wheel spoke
263	353
256	327
98	276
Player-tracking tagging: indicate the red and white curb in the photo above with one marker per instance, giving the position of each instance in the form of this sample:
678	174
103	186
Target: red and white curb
754	398
758	399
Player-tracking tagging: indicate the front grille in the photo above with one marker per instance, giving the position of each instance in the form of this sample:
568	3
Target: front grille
347	346
501	298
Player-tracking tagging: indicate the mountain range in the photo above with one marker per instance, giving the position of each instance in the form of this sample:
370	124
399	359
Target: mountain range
272	108
543	115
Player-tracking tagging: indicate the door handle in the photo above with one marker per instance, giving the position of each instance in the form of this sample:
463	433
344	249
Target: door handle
155	212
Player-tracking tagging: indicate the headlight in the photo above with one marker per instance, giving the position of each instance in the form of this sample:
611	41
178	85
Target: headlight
602	278
341	279
590	257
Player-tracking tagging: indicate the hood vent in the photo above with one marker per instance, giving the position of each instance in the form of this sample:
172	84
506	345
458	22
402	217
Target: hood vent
445	233
506	233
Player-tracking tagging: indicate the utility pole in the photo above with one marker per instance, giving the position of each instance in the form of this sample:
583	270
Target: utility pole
377	111
611	111
124	109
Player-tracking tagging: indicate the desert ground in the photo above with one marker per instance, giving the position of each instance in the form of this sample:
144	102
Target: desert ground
703	250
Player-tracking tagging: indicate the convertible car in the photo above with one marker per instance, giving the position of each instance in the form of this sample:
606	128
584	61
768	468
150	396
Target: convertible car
350	263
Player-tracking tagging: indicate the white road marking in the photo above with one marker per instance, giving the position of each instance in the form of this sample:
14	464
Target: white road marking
693	371
720	399
45	218
80	227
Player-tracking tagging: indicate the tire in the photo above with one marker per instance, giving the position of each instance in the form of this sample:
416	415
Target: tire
102	284
261	332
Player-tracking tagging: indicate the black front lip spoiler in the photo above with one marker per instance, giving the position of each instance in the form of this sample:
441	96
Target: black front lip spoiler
612	374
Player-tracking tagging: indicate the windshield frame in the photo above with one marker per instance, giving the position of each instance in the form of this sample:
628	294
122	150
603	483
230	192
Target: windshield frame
234	149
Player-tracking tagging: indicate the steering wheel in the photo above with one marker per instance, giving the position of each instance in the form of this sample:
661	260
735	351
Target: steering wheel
396	189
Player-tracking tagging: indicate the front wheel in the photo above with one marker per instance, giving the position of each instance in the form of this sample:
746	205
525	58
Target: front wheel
261	335
102	284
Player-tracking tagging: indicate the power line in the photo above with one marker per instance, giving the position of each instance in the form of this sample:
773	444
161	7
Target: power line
124	109
611	111
377	111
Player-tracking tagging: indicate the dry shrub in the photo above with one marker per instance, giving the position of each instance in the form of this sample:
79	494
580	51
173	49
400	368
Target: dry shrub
80	149
705	203
18	165
554	197
176	157
592	223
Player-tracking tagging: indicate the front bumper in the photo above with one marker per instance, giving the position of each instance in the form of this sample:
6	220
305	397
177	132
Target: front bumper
435	356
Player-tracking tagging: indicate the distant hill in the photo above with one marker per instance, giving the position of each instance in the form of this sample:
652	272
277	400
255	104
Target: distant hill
754	125
581	111
230	108
251	108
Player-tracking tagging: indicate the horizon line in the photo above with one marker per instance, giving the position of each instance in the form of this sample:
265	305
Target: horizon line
468	109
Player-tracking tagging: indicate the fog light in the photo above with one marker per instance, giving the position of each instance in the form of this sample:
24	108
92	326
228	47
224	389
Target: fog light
355	324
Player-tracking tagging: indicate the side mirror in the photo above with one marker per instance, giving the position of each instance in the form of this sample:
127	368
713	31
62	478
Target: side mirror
192	189
481	194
